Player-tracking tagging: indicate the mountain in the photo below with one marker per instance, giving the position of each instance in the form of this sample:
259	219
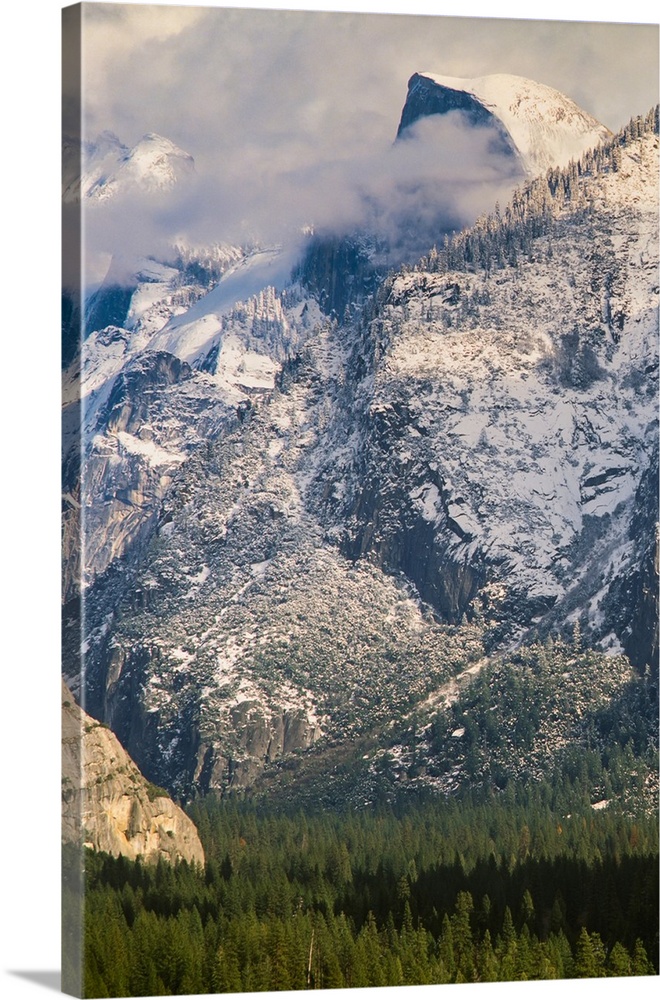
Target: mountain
102	169
97	175
499	130
216	346
321	507
119	811
85	162
492	425
540	126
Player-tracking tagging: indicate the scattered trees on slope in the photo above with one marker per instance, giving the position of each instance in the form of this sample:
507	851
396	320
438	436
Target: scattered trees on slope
500	238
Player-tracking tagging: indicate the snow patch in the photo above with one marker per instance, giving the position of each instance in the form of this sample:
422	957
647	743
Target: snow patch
190	335
148	449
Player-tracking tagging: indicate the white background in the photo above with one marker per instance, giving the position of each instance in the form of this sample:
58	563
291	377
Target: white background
29	458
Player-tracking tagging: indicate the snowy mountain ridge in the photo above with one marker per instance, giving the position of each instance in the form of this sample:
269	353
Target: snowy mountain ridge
190	335
108	167
545	127
303	528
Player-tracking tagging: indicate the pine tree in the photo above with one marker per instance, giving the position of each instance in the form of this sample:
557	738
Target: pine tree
446	948
641	966
527	912
372	952
462	936
226	975
585	960
619	963
599	953
487	965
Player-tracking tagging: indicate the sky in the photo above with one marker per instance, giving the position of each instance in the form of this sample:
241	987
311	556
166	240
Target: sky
611	89
290	115
219	78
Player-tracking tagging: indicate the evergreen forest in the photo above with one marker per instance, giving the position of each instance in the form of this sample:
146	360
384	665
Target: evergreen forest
479	888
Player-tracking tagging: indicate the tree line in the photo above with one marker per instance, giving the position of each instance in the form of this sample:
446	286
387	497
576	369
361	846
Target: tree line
390	896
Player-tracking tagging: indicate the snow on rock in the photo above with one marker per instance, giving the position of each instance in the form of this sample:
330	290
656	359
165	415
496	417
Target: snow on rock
237	331
84	165
148	449
502	418
154	163
546	127
192	334
509	417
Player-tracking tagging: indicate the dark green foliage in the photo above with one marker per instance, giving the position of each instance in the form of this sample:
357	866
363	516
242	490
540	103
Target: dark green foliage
474	889
156	792
571	719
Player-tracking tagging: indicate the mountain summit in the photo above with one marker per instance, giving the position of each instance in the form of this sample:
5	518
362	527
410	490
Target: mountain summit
536	123
109	167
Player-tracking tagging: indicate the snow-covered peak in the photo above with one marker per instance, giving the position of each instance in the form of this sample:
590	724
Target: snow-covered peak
105	144
157	161
87	163
546	128
154	163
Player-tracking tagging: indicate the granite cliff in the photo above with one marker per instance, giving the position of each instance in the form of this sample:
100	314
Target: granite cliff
106	802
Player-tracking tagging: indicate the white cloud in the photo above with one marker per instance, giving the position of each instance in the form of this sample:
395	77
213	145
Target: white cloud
290	115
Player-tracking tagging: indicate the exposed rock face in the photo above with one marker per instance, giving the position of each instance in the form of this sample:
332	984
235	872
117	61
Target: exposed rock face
216	750
294	519
341	272
264	737
631	602
108	306
530	121
426	97
134	410
130	464
387	527
106	802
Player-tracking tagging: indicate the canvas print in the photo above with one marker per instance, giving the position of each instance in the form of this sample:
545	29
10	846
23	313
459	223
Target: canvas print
360	500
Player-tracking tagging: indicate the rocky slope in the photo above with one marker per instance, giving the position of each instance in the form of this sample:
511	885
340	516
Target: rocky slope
232	313
312	504
507	420
108	805
480	444
134	411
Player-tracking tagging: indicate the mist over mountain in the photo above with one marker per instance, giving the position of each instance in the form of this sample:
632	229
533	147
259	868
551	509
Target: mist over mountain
451	167
328	485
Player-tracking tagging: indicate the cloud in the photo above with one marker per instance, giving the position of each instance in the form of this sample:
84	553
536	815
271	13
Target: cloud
441	177
291	115
220	76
